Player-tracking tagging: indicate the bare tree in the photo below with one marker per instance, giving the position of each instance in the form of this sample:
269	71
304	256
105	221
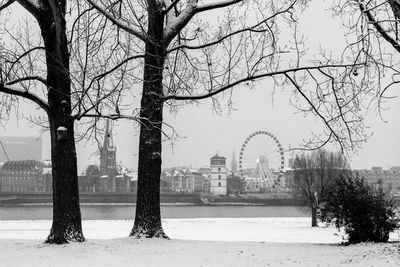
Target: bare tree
72	67
312	175
195	50
50	15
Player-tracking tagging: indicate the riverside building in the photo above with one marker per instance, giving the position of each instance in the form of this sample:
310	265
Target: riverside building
218	175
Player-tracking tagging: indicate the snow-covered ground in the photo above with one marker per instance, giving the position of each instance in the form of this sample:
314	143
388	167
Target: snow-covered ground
194	242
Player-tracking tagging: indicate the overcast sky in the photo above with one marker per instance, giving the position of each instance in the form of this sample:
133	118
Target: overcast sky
203	133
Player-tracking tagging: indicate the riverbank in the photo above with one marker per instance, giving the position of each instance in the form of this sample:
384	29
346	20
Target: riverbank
265	199
194	242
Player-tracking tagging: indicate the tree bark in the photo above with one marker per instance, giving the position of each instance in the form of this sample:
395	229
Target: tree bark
314	222
148	214
66	211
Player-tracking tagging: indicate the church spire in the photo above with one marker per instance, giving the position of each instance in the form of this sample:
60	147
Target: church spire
108	163
108	139
234	164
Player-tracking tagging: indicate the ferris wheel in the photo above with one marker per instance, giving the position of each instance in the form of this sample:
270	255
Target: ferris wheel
261	161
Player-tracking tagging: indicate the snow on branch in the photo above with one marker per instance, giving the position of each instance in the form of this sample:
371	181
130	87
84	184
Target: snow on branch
121	24
216	5
108	116
13	90
33	3
6	4
32	6
175	25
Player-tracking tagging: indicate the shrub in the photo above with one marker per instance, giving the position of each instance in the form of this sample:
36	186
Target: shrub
363	211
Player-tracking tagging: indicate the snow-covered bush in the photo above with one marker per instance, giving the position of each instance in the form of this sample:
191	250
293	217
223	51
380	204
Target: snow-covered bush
363	211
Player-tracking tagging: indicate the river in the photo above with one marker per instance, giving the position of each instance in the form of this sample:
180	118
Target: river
126	212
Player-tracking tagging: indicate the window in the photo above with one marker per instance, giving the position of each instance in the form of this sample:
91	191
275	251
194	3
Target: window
219	169
219	184
219	177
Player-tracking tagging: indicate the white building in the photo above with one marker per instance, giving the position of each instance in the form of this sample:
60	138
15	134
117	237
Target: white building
218	175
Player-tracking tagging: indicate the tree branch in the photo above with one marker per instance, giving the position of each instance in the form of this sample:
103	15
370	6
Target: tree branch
250	29
171	6
216	5
119	23
23	55
379	28
107	116
7	4
31	6
315	109
12	90
102	75
174	26
29	78
255	77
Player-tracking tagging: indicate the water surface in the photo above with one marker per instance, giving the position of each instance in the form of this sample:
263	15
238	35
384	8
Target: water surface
127	212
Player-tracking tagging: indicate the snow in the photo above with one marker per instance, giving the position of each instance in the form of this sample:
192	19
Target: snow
194	242
61	129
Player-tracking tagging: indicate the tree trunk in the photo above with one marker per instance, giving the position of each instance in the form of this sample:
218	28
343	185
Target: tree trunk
67	224
148	215
314	222
66	211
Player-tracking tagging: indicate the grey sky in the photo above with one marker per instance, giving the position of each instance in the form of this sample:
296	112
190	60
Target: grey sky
203	133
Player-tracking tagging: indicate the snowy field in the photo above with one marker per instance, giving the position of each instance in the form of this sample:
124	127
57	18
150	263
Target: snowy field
194	242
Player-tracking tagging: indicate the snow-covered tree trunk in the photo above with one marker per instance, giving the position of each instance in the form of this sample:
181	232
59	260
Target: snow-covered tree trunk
66	211
148	214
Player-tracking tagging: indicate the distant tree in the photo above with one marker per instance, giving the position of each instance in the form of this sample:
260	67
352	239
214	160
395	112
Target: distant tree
363	211
195	50
313	173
